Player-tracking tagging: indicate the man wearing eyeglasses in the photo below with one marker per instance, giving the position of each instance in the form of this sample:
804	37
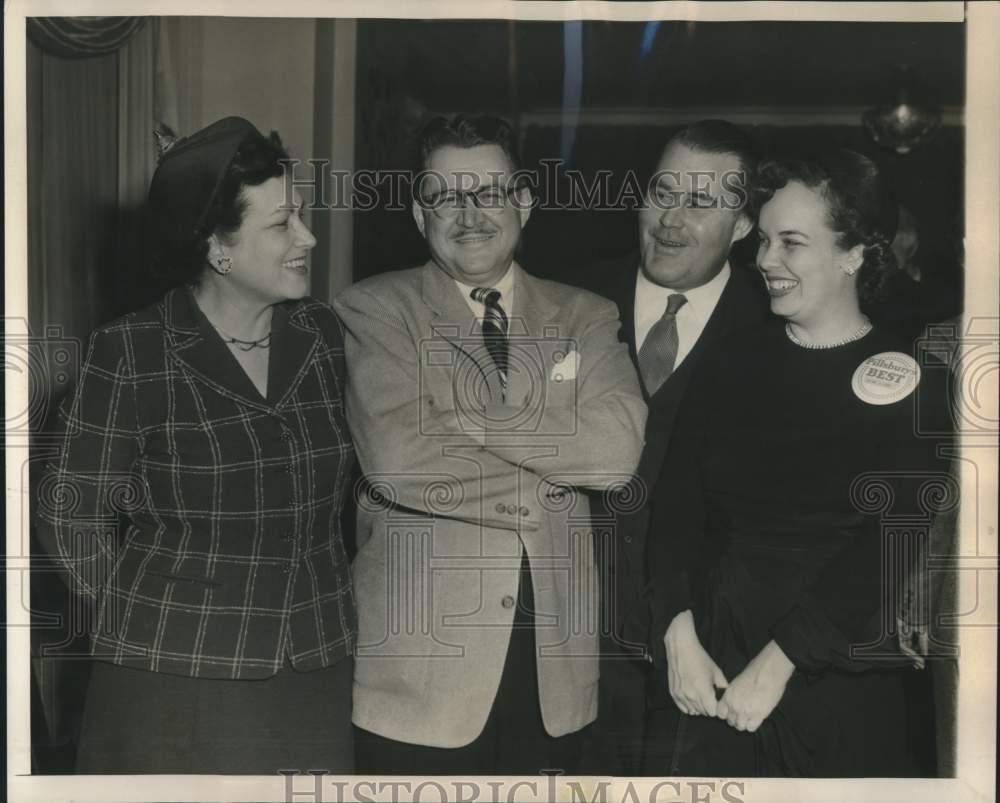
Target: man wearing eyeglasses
481	399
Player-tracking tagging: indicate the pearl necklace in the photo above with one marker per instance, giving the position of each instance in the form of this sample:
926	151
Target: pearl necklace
857	334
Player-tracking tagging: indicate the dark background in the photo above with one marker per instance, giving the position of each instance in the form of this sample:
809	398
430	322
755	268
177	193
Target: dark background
640	84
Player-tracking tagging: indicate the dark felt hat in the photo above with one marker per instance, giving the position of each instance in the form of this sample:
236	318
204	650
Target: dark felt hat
188	177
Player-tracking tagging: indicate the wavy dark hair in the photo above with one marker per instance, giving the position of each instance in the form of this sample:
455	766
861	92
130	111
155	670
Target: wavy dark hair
465	131
257	159
722	137
861	207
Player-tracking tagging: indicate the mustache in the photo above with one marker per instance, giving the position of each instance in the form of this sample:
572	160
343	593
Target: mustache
478	230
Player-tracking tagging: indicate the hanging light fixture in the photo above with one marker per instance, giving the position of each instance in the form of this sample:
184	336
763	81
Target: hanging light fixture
907	123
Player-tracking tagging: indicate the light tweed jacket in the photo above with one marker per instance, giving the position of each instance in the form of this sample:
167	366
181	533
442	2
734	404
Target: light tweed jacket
464	478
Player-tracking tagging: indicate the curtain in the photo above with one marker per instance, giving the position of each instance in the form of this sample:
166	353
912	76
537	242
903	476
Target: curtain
90	160
72	198
73	191
82	37
136	119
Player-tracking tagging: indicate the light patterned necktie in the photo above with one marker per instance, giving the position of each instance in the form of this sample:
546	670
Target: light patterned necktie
659	350
494	328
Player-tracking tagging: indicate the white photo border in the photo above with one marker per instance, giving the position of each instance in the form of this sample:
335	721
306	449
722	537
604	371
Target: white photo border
976	767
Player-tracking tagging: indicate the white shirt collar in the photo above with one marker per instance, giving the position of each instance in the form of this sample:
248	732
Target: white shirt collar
651	302
506	287
701	300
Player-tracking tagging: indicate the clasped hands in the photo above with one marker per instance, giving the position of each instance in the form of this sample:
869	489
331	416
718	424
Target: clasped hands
693	677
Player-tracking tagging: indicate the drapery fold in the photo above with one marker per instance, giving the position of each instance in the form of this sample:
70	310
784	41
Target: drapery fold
90	158
82	37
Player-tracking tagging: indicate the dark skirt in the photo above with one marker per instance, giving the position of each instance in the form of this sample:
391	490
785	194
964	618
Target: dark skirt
846	722
138	722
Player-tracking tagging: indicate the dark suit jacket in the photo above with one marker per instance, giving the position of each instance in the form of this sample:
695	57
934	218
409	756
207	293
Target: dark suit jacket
199	518
743	302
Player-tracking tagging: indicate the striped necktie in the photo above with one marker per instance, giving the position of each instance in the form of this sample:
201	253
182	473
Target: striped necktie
494	327
659	350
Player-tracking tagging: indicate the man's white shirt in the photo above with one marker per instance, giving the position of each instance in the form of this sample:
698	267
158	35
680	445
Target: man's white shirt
651	302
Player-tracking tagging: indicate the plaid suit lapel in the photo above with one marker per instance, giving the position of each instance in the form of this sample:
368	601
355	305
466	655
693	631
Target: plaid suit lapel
201	353
292	347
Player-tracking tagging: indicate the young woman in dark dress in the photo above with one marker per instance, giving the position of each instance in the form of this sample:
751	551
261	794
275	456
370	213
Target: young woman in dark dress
769	557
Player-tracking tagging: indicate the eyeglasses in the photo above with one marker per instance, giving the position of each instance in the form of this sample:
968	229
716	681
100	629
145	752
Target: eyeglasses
449	204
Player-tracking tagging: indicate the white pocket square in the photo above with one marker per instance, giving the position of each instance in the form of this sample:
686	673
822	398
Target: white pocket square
566	368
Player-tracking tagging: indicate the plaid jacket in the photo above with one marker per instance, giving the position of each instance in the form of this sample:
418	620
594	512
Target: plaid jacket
202	520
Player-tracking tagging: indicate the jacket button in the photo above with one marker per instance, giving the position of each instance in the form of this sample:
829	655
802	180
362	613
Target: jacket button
524	511
500	507
511	510
508	601
628	539
286	434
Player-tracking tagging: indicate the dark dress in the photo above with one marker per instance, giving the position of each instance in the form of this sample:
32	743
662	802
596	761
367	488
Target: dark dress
782	499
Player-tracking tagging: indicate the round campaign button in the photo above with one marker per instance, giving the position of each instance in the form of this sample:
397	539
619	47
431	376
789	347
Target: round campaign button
886	378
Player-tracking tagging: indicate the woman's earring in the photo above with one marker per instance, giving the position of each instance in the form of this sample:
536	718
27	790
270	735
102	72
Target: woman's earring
224	265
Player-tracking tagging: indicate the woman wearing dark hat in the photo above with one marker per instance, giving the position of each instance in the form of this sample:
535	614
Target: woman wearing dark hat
197	497
795	447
